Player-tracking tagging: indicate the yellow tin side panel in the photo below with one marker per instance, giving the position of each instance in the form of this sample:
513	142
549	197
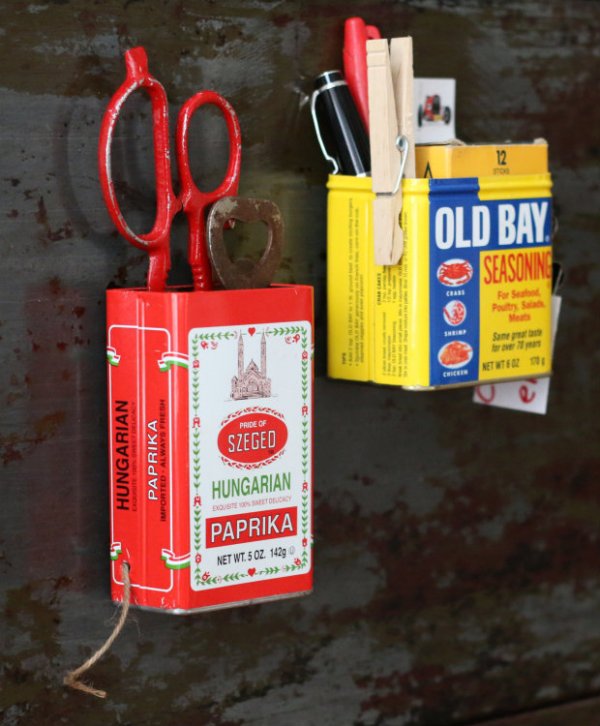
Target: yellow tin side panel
349	261
401	292
389	317
417	223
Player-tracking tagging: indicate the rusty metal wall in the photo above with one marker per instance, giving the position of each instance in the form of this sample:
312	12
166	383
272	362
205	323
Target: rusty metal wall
457	547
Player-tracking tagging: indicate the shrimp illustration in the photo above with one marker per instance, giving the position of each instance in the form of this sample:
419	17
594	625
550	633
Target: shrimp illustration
455	312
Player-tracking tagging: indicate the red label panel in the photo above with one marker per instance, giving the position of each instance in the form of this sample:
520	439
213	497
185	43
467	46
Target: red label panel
251	527
140	444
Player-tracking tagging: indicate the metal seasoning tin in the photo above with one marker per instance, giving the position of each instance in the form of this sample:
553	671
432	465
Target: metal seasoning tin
470	300
210	431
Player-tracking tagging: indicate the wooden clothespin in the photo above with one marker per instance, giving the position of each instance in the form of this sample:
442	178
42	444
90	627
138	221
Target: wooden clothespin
390	76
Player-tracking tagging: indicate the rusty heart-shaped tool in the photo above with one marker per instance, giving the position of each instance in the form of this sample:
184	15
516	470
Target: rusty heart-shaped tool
244	273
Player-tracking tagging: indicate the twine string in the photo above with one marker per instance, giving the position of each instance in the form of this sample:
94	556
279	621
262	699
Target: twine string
72	677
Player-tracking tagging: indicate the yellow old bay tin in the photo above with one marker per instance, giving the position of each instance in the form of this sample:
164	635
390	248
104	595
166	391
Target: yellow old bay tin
468	302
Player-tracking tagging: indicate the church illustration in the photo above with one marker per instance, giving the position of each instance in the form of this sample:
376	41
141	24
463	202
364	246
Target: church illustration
252	381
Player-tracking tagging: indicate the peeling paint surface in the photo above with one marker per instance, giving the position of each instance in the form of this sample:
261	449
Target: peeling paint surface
456	549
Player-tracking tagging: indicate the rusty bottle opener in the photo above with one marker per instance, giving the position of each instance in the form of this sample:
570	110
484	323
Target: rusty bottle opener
244	273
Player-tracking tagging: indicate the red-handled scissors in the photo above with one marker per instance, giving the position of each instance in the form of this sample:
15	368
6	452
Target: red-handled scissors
193	201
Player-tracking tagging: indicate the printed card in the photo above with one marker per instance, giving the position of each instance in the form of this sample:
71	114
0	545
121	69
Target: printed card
434	110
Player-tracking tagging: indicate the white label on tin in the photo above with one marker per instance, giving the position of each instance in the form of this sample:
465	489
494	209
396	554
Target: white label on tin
434	110
250	424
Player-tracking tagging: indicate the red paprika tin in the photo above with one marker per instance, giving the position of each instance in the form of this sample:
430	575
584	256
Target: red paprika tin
210	426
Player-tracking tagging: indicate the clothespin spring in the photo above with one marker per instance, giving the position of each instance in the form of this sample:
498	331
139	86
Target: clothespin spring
402	144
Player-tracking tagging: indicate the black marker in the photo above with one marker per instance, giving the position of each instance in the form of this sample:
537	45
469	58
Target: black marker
340	131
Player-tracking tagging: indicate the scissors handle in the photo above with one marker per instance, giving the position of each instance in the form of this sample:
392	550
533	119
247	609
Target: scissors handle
155	242
195	201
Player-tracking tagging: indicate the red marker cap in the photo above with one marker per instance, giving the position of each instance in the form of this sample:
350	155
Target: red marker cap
356	34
